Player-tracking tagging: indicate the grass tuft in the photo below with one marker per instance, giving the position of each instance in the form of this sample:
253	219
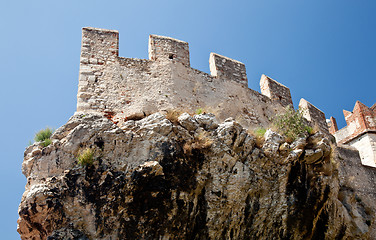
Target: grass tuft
86	157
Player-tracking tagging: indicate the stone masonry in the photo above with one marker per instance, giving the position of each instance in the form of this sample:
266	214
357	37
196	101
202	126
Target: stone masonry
360	131
313	114
128	88
193	176
275	91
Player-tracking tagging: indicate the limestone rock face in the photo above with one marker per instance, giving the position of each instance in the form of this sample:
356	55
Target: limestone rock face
194	178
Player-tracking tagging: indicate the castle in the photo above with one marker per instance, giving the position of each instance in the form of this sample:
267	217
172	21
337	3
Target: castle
360	131
128	88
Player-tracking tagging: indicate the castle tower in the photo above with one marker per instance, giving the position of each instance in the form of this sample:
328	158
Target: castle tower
98	47
360	132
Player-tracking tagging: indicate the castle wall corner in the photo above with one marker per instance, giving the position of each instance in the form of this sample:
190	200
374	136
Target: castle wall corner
99	45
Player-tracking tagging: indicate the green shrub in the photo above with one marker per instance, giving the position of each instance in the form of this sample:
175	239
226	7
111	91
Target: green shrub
86	157
292	124
44	136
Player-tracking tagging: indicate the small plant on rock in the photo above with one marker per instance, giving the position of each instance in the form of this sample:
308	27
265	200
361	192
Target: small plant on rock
85	157
259	135
260	132
199	111
43	136
310	130
292	124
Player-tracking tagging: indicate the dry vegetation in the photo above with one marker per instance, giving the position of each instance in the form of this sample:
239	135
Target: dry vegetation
201	141
173	114
85	157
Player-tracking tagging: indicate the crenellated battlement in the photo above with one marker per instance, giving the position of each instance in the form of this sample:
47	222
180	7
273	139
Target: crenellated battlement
125	88
275	91
360	131
99	45
224	67
313	114
167	49
361	120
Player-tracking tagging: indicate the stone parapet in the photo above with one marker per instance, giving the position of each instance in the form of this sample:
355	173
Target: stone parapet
366	145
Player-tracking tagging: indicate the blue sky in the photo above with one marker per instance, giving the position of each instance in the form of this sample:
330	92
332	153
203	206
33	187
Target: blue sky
324	51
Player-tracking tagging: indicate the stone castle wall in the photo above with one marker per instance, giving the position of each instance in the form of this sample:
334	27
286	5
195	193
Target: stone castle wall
128	88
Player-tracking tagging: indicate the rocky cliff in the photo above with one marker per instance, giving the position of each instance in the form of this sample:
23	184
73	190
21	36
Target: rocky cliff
192	178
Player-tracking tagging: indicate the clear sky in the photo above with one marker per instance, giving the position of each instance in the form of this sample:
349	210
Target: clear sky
324	51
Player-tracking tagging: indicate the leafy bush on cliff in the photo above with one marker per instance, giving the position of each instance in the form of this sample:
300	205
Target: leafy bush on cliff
44	136
292	124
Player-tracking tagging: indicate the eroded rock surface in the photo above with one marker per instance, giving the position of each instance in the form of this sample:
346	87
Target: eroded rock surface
193	179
